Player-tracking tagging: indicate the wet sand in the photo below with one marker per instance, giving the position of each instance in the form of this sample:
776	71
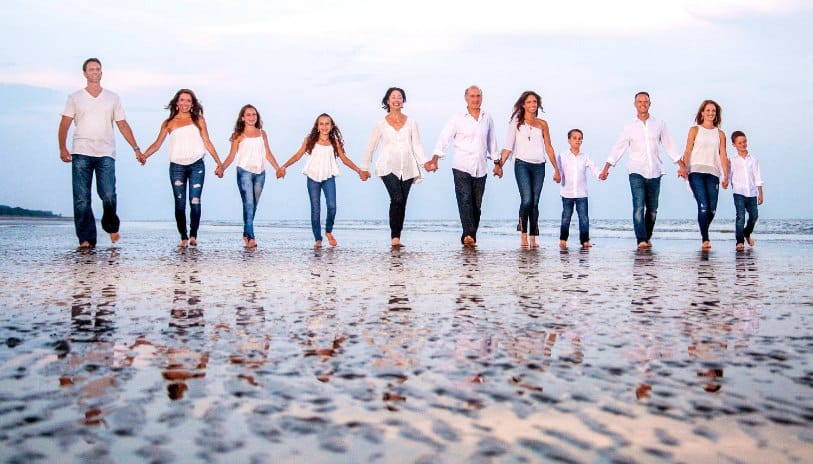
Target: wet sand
432	353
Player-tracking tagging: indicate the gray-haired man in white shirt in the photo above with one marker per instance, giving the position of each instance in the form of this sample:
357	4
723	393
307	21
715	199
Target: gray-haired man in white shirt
642	137
474	144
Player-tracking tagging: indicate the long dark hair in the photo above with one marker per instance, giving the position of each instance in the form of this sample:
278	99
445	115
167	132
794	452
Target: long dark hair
335	136
240	125
385	104
718	118
196	111
519	108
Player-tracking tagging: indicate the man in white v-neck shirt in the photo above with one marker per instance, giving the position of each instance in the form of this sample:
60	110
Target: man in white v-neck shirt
93	110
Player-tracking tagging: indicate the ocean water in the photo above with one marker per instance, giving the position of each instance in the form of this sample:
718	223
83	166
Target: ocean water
142	352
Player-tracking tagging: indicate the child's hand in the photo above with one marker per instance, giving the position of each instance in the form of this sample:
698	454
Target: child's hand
280	172
497	171
556	177
219	172
725	184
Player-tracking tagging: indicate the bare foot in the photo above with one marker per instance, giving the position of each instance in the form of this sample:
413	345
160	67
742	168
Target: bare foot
740	246
317	245
396	243
523	240
114	237
252	243
644	246
532	242
85	245
468	241
587	244
750	241
331	239
563	244
193	241
183	244
245	240
706	245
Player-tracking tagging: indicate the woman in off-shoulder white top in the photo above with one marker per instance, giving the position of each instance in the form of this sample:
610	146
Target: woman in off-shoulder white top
323	145
188	143
400	157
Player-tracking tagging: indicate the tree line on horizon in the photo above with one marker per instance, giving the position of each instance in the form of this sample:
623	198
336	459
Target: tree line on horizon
17	211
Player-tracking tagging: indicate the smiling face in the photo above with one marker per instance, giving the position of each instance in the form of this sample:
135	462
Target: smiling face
93	72
575	141
250	117
709	113
530	105
324	125
184	103
642	104
395	100
741	144
474	98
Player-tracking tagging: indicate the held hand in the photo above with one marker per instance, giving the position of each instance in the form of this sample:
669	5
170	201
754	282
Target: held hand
219	172
603	174
280	172
683	174
497	171
364	175
65	155
557	177
725	184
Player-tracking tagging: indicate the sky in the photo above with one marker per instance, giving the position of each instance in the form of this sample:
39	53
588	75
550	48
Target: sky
295	60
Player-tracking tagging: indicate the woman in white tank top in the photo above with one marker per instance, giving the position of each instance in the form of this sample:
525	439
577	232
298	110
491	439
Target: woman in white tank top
188	143
249	144
707	162
323	145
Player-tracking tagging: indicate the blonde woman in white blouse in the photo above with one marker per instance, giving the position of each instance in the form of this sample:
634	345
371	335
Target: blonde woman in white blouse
400	158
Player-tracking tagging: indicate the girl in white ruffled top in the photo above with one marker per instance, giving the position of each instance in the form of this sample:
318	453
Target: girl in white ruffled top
188	143
707	162
323	145
400	159
249	144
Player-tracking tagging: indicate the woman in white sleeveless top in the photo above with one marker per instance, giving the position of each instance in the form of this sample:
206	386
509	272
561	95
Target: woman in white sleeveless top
249	144
707	162
323	145
188	143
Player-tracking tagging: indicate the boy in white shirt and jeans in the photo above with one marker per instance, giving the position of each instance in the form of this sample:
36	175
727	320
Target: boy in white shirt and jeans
573	165
746	182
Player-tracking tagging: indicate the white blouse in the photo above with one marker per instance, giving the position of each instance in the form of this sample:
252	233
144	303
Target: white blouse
186	145
401	150
525	142
321	164
251	154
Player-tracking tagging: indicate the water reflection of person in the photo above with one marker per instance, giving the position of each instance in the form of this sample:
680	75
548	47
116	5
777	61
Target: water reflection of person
251	350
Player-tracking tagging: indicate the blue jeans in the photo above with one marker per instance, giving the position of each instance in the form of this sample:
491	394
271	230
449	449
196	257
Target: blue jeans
742	203
182	175
645	194
82	169
314	190
251	187
705	188
584	219
530	177
399	192
469	191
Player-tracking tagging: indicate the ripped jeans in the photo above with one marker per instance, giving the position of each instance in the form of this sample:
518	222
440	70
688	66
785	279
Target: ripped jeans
180	175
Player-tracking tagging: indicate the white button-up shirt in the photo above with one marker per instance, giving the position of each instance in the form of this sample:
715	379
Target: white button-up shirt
525	142
642	138
745	175
401	150
474	143
573	170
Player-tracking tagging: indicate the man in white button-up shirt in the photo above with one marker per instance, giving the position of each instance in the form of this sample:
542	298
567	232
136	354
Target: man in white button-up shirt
642	137
474	144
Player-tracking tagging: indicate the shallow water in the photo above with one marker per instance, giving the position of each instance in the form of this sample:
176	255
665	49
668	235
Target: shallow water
144	353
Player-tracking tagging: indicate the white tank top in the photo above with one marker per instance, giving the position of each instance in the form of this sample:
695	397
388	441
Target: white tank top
321	164
251	154
186	145
706	152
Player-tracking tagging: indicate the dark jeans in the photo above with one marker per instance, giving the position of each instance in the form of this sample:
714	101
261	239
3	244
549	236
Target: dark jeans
530	177
705	188
314	191
82	169
584	219
645	194
192	175
742	230
251	187
469	191
399	191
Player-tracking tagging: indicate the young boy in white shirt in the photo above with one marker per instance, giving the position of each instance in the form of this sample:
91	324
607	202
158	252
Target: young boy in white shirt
746	183
573	166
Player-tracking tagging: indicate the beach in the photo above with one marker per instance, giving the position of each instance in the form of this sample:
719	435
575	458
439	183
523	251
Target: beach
141	352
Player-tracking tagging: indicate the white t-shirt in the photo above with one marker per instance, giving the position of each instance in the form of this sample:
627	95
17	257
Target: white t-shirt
93	119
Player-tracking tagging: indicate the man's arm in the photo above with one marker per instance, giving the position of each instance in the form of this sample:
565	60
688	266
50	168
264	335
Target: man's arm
127	133
62	136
